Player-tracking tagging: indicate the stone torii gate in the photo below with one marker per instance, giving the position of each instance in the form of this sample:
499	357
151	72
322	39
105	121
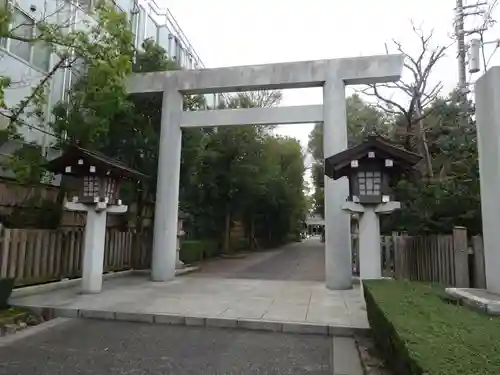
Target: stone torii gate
332	75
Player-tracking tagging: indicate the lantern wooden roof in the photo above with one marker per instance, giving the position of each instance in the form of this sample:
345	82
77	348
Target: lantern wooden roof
339	165
104	165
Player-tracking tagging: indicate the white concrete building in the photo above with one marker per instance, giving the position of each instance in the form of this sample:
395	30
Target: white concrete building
27	64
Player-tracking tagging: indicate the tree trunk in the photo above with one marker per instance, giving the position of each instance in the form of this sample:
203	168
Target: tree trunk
422	146
253	242
138	236
227	232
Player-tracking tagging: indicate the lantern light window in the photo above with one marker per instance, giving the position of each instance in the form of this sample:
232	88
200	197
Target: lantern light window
369	182
90	186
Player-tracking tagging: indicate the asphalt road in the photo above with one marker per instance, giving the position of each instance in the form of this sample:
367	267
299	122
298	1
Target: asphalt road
89	347
304	261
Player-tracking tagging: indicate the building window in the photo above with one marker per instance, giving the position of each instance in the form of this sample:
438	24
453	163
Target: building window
178	54
134	24
171	46
36	53
22	27
151	29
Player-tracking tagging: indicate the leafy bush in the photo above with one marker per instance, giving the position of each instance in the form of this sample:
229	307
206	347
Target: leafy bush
240	244
195	250
418	333
211	249
6	286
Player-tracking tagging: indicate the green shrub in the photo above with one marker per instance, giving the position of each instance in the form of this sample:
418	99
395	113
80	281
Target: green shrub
211	249
240	244
6	286
195	250
418	333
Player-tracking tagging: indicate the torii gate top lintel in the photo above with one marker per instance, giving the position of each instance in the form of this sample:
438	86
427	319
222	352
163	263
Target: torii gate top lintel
301	74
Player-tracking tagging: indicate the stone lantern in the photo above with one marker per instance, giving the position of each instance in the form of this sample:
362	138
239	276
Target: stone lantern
96	180
370	167
180	233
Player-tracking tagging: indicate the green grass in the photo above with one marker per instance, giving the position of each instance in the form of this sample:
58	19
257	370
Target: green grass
10	312
419	333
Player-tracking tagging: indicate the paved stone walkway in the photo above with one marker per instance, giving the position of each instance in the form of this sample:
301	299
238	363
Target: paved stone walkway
303	261
216	298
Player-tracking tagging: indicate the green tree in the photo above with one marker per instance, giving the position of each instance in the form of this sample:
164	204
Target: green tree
101	49
362	119
452	197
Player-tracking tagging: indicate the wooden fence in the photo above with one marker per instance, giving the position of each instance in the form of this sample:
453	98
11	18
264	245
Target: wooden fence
34	256
440	258
450	259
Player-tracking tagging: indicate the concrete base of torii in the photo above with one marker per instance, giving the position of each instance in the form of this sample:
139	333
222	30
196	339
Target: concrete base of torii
95	235
369	236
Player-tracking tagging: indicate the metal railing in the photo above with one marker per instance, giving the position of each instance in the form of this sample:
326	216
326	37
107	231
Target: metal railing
171	23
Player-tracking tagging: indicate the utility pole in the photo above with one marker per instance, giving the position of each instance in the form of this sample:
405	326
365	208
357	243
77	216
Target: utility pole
460	35
478	44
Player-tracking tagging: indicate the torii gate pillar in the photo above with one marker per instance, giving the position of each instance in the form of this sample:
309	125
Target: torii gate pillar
332	75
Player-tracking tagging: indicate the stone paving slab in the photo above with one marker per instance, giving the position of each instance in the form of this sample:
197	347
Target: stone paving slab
275	305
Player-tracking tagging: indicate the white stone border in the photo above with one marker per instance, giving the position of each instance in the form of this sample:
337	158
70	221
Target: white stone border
199	321
64	284
478	303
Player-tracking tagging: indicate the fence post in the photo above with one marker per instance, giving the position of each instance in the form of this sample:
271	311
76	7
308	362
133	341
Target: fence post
387	255
399	254
461	256
394	248
479	267
5	244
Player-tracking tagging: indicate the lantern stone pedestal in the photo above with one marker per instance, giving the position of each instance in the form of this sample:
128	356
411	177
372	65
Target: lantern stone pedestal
95	235
370	254
178	262
180	233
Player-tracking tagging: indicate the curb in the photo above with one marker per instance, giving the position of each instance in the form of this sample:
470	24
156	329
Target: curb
65	284
39	328
211	322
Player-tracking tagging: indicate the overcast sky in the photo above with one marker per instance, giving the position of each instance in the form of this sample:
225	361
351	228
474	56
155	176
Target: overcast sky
244	32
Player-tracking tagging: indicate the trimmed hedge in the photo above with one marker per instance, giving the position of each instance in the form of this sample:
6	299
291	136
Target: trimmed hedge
418	333
193	251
